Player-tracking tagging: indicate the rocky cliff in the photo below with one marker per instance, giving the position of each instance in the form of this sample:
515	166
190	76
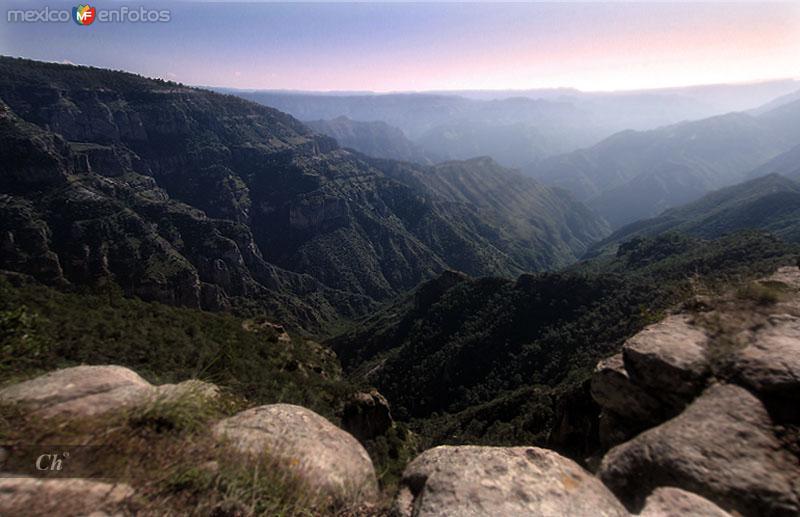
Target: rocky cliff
200	199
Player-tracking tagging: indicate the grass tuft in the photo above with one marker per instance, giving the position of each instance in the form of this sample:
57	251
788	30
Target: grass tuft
761	293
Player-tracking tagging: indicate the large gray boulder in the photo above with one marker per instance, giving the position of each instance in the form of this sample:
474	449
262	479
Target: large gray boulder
64	497
80	391
668	358
674	502
84	391
721	447
330	460
471	481
770	364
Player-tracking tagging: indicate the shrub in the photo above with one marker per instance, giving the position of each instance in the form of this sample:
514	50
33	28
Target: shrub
759	293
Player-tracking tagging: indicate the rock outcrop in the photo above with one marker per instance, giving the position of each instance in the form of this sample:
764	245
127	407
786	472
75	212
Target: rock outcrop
770	364
367	415
669	358
721	447
735	443
64	497
658	372
83	391
482	481
329	459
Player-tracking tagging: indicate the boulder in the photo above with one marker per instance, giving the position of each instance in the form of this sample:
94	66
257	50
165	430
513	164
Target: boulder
487	481
668	358
674	502
64	497
80	391
613	390
366	415
771	363
329	459
721	447
84	391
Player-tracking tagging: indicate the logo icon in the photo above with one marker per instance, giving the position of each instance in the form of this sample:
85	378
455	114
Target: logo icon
83	14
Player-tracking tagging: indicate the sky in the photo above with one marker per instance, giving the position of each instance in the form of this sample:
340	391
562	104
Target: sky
428	46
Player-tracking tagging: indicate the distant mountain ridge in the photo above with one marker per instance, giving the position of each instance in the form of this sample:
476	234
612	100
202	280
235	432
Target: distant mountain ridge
769	203
633	174
377	139
517	127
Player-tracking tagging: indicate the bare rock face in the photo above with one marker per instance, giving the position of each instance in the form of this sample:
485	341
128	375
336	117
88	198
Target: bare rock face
627	408
771	363
367	415
63	497
84	391
329	459
487	481
721	447
674	502
613	390
669	356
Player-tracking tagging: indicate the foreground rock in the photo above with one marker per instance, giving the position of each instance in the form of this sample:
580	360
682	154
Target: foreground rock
329	459
721	447
84	391
668	357
64	497
659	371
626	409
674	502
614	391
771	363
483	481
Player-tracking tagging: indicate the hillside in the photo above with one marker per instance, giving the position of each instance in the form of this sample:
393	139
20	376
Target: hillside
489	360
770	203
786	164
194	198
634	175
377	139
535	225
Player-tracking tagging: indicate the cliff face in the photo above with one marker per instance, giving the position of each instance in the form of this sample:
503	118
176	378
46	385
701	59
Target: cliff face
195	198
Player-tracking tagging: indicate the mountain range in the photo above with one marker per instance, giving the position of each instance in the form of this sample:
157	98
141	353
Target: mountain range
195	198
769	203
637	174
517	128
377	139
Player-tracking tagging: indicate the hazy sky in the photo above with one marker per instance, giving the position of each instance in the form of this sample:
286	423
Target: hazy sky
403	46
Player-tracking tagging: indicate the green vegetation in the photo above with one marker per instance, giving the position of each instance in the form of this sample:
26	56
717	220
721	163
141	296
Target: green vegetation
492	361
760	293
50	329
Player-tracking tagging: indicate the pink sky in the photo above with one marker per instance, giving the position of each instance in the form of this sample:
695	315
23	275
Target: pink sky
391	47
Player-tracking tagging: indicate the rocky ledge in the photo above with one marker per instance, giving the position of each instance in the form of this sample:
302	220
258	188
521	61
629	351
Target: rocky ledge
700	412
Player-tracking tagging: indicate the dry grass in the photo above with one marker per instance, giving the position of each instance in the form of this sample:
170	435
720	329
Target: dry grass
166	451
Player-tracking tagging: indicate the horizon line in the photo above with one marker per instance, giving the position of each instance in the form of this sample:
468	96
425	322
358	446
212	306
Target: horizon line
445	91
429	92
